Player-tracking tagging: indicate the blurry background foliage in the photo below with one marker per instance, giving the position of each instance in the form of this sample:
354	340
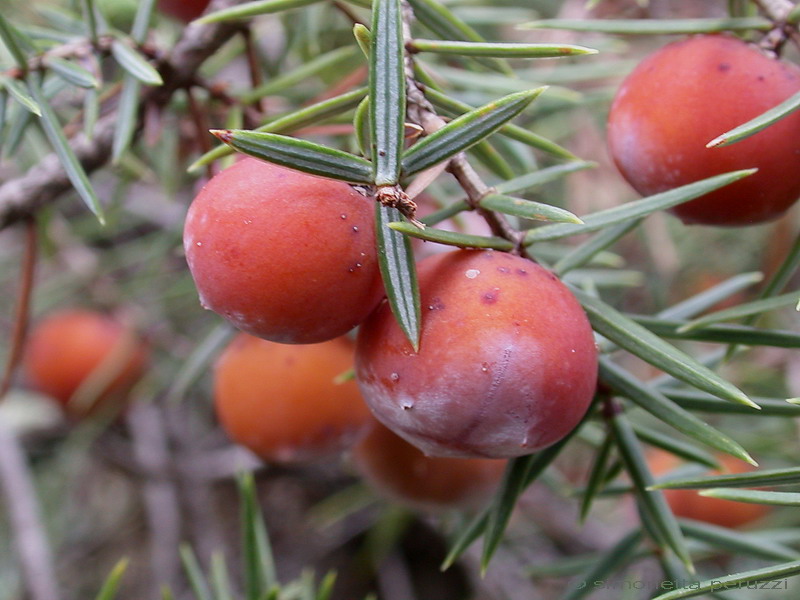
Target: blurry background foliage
166	475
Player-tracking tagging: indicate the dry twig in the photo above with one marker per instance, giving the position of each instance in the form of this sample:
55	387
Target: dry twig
22	506
47	181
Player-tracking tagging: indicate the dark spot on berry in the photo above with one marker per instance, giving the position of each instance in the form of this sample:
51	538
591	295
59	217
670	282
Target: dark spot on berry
724	67
491	297
436	304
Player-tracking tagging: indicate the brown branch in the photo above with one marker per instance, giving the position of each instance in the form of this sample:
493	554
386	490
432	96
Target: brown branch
422	112
778	11
476	189
47	180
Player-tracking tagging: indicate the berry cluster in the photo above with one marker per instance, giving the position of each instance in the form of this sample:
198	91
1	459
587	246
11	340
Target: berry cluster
506	362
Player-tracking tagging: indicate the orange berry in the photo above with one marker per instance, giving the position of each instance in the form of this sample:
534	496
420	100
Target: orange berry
284	402
83	359
691	505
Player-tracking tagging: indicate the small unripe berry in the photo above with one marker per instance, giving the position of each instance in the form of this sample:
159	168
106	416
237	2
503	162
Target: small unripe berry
283	255
404	474
84	359
507	362
286	402
690	92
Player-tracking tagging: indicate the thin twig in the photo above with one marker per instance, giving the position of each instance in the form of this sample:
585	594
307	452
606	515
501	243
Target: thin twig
253	64
347	12
195	489
22	506
23	306
201	127
422	112
77	49
476	189
151	449
778	11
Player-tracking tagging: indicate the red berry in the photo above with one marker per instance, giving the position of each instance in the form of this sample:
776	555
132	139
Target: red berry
283	255
688	93
507	362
